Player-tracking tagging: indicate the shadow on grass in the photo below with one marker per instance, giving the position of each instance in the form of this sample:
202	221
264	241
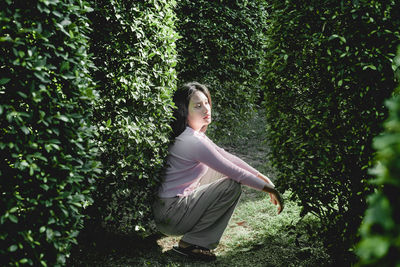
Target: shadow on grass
98	248
291	247
112	250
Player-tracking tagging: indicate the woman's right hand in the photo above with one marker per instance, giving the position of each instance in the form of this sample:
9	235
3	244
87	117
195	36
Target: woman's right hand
276	198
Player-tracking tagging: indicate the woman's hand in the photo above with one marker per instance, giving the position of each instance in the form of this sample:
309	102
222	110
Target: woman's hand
276	198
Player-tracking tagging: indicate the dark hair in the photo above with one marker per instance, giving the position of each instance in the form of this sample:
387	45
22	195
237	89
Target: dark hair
181	99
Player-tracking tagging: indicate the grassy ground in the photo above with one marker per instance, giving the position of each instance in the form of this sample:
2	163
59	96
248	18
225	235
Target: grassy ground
255	236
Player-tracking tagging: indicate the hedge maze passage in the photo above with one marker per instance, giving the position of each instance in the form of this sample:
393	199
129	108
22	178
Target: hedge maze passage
86	101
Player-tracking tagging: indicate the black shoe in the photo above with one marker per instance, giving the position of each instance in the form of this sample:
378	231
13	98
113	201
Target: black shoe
196	252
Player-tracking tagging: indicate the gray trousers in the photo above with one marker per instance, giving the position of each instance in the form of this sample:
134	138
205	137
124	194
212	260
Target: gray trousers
202	216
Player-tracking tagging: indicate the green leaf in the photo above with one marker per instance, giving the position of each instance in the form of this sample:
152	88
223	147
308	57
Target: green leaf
13	248
13	209
369	67
23	95
13	218
4	80
24	260
25	129
41	77
49	234
63	118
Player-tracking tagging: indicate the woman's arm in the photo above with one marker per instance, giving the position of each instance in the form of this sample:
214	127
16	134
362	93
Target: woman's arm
207	153
265	178
239	162
234	159
203	151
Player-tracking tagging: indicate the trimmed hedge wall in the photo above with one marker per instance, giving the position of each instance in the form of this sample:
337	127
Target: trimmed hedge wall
380	230
327	73
133	44
47	168
221	46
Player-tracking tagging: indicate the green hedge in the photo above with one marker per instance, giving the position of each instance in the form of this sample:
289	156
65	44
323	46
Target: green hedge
133	44
380	230
47	168
327	73
221	46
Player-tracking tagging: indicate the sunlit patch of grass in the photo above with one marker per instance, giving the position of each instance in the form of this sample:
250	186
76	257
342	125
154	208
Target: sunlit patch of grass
261	215
257	236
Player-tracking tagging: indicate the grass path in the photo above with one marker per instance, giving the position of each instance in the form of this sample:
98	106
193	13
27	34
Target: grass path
255	236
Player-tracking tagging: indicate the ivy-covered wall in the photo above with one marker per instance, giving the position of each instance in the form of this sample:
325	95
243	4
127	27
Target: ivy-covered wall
47	165
328	71
133	47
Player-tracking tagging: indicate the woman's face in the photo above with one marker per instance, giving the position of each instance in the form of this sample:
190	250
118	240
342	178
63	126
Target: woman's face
199	111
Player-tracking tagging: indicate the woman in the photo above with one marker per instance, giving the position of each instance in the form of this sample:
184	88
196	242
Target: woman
201	212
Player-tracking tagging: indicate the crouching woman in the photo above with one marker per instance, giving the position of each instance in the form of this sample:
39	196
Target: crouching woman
187	205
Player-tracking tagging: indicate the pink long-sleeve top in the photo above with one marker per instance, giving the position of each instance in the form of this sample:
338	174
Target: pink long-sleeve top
189	158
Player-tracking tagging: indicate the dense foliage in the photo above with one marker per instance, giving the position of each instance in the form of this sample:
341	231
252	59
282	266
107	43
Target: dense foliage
133	45
47	168
325	69
221	46
327	73
380	230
